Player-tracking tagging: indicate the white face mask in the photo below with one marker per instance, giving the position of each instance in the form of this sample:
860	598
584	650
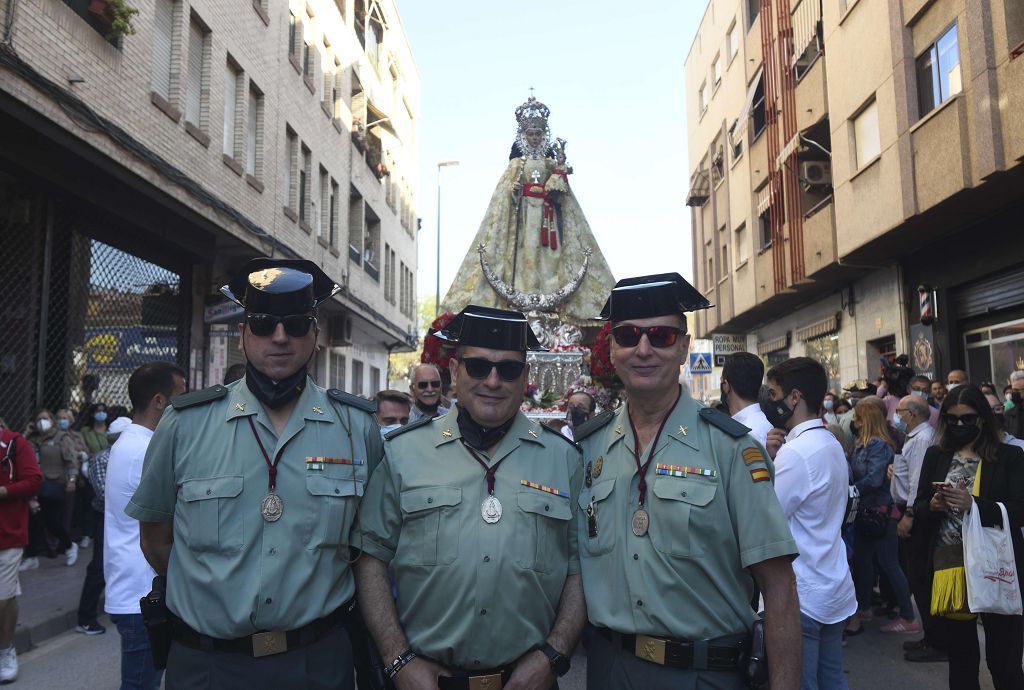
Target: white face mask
920	394
385	430
827	404
951	386
44	425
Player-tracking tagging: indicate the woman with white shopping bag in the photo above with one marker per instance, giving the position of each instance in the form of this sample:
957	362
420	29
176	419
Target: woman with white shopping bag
970	471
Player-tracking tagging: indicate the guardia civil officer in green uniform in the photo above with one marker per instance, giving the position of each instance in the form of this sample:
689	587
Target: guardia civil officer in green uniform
474	513
247	499
678	519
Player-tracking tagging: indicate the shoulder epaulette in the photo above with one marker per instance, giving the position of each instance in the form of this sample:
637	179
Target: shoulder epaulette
724	422
201	397
409	427
559	434
353	400
592	425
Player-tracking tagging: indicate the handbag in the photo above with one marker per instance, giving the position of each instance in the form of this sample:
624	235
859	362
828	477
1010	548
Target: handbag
989	566
872	523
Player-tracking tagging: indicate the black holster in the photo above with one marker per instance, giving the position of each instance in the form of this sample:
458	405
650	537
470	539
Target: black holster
156	618
756	669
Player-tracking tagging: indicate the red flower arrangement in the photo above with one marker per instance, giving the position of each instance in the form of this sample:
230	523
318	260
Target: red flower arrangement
435	350
601	368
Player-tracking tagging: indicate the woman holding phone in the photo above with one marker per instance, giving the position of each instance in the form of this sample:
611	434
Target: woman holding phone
969	442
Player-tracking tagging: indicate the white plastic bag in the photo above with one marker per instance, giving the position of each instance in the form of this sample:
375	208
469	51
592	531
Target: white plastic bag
992	585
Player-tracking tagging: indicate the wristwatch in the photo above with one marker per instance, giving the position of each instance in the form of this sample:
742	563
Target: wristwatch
559	662
400	662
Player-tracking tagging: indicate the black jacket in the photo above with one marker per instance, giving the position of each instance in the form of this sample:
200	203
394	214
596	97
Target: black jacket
1002	481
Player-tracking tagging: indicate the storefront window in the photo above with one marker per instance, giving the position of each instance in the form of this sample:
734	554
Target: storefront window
826	351
994	352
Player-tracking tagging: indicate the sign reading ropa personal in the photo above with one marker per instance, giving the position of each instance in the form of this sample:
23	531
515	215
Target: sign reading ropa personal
700	362
725	345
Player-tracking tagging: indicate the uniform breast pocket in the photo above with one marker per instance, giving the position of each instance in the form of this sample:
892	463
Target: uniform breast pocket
211	525
430	529
333	508
544	543
603	520
674	512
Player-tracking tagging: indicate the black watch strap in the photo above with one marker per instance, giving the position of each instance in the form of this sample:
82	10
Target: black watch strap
560	663
392	669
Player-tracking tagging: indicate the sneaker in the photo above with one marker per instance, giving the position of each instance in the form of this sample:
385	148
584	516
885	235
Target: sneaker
901	625
72	554
911	645
925	655
84	543
8	665
28	564
93	628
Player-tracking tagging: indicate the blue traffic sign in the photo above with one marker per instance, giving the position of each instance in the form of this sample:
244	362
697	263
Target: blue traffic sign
700	362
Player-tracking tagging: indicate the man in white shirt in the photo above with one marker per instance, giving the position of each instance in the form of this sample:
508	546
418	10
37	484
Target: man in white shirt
811	480
912	417
129	577
741	382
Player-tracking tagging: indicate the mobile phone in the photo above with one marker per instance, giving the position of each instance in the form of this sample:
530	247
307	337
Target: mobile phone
936	486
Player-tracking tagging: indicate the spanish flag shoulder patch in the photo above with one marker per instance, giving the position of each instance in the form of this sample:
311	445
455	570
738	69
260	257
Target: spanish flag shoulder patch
760	475
752	455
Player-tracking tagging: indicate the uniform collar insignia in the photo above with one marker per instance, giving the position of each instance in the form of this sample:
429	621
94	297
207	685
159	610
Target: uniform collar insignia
682	430
447	433
531	432
317	410
240	406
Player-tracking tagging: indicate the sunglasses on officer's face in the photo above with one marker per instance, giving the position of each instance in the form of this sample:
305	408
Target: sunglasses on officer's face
295	325
424	385
480	368
657	336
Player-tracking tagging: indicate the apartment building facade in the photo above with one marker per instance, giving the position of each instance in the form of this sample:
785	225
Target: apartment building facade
851	161
139	170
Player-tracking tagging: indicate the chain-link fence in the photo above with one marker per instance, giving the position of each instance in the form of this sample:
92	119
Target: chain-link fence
78	315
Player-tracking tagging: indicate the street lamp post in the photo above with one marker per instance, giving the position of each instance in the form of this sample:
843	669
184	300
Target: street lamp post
437	286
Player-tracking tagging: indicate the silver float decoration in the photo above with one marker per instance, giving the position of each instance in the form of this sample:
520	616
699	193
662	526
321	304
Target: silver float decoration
525	301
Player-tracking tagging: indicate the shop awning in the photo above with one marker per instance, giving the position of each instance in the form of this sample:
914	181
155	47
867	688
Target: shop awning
805	26
700	189
773	345
819	328
744	118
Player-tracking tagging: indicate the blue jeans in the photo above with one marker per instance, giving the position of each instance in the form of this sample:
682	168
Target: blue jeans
886	550
823	655
137	672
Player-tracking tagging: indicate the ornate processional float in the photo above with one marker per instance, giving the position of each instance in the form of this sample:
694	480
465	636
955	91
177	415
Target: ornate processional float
534	252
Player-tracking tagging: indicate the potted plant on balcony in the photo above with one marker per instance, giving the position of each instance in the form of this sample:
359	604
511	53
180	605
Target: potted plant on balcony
116	15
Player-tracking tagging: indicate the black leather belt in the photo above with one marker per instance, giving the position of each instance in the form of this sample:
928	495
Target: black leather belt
265	643
720	654
492	679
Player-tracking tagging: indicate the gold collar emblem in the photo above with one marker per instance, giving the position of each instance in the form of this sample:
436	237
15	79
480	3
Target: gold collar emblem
682	430
533	433
447	433
240	407
317	410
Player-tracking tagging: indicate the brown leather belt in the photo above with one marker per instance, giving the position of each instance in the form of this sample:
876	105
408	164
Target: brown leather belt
265	643
721	654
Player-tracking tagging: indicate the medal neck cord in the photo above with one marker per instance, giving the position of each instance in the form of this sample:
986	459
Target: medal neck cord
642	469
271	466
490	471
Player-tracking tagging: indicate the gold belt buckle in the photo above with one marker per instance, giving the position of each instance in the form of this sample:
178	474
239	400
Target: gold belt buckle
650	649
491	682
269	643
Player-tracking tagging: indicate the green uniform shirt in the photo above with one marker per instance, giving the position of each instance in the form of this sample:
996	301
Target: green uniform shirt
474	595
687	578
231	573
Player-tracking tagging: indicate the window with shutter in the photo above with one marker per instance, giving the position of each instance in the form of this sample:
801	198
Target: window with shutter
163	29
230	89
254	133
194	79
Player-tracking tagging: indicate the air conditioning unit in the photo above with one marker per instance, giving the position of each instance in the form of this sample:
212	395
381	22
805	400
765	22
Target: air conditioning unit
340	331
816	173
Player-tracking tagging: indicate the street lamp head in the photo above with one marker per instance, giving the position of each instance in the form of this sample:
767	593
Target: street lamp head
445	164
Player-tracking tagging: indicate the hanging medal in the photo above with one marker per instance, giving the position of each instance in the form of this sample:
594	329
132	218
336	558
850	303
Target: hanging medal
271	505
490	509
641	518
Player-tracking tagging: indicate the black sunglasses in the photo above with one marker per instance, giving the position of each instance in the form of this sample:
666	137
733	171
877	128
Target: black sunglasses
969	419
657	336
480	368
424	385
295	325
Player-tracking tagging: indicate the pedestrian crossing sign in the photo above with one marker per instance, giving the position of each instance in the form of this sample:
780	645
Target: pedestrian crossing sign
700	362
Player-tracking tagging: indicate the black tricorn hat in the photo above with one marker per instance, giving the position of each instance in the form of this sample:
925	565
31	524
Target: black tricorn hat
662	294
495	329
280	286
